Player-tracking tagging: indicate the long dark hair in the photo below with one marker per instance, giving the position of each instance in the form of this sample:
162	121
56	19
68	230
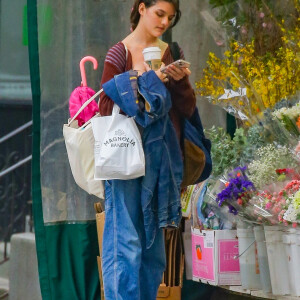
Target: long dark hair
135	15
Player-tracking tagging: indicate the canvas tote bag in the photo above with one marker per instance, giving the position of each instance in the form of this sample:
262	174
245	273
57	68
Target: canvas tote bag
80	148
119	151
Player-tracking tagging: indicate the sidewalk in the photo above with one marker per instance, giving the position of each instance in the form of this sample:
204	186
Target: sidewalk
4	283
4	272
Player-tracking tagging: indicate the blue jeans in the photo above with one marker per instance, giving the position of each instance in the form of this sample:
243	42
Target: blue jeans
130	271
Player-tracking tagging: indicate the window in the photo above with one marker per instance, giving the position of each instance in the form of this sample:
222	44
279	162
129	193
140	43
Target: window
14	61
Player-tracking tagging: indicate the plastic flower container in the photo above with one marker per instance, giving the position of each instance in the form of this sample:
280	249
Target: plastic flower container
262	253
279	272
289	240
298	249
250	275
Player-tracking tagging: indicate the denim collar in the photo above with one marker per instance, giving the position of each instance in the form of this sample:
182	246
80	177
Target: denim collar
124	89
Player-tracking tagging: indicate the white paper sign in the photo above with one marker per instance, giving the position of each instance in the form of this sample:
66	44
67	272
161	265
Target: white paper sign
209	239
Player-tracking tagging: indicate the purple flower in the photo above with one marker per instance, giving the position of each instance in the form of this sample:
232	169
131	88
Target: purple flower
237	185
232	210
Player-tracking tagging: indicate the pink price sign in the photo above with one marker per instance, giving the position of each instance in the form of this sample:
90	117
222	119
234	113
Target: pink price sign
228	250
203	258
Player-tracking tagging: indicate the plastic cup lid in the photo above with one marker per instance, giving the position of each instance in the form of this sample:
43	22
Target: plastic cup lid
151	49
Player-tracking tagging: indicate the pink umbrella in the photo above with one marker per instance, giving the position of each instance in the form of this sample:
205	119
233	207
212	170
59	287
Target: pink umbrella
82	94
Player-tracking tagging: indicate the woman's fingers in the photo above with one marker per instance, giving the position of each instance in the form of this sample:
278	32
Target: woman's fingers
187	71
162	76
147	67
177	73
171	71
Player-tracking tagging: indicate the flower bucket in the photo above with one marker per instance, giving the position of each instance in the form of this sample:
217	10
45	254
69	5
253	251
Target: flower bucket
277	263
289	240
298	252
262	253
250	275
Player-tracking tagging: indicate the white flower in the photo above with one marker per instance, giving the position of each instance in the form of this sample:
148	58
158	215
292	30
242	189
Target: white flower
291	214
292	112
269	158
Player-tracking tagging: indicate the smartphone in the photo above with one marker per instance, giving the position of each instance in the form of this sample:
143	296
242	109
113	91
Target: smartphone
180	63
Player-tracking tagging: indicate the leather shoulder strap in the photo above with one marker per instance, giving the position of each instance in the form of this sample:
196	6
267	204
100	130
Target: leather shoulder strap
175	50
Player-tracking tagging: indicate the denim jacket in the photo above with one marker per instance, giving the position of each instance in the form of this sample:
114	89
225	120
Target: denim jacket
160	196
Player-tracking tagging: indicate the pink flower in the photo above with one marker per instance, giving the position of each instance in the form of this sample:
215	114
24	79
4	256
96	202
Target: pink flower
268	205
261	15
294	225
264	25
277	210
283	202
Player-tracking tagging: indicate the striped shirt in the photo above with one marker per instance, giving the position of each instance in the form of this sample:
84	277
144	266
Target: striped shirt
117	57
182	93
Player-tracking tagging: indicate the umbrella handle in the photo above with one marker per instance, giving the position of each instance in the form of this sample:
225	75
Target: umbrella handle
82	70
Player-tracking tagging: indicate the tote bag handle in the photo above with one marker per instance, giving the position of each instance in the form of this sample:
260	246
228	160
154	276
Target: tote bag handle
116	110
84	106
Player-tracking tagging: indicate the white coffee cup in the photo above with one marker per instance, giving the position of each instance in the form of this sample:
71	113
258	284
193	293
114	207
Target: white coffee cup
152	56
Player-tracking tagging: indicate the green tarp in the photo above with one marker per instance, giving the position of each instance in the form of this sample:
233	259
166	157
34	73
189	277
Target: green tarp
66	252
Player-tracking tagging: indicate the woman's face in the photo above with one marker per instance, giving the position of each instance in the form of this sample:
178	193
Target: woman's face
157	18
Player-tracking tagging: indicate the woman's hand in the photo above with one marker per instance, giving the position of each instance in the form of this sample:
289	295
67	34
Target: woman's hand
163	77
177	73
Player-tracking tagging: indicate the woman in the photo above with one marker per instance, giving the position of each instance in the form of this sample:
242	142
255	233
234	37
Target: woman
133	268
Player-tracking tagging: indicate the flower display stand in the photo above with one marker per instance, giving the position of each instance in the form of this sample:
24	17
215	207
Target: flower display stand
263	259
250	275
257	293
278	266
292	260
